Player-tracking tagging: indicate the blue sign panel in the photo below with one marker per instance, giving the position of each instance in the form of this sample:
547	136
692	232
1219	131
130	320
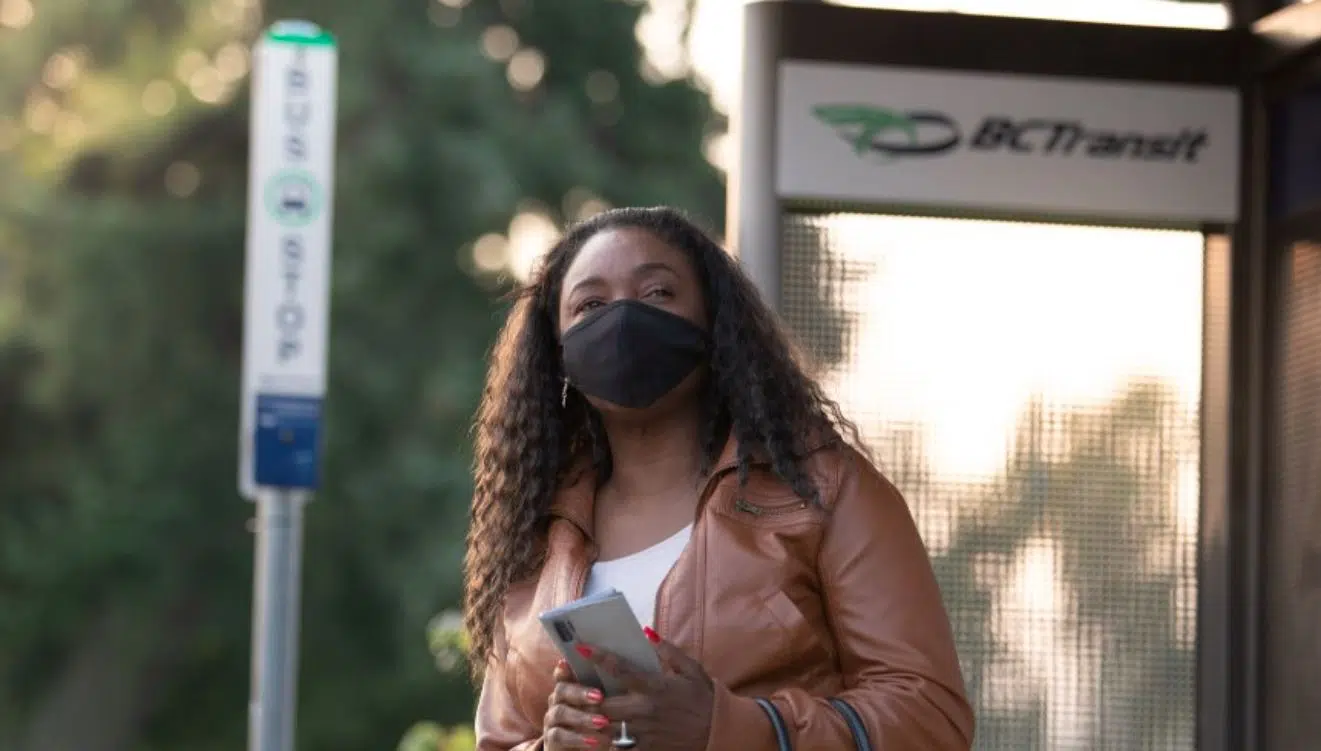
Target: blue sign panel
287	446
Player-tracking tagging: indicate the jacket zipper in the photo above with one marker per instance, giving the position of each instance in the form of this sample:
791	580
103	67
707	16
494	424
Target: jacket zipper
748	507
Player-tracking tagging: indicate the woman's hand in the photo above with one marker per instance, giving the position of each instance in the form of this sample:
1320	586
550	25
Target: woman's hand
574	719
666	712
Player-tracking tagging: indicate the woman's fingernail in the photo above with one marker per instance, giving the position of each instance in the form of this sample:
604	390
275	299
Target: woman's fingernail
562	664
600	721
584	650
595	697
591	741
651	634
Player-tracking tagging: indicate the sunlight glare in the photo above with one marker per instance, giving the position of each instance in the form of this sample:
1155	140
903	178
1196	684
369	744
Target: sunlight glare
189	63
1036	633
580	204
206	86
994	330
531	233
526	68
659	31
490	253
41	113
499	43
61	70
158	97
1174	13
16	13
717	38
232	62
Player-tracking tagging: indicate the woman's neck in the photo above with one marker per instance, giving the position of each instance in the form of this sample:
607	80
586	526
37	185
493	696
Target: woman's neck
657	459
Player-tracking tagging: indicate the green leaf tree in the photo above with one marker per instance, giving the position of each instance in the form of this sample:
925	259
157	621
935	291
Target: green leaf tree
125	555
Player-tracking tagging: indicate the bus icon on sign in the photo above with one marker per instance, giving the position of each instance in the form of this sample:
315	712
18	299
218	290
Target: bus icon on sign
293	198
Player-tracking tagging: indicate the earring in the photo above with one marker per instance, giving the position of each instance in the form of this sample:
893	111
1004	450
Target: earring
564	394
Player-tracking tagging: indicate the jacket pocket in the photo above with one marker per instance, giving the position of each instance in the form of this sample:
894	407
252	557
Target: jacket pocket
765	501
769	507
765	511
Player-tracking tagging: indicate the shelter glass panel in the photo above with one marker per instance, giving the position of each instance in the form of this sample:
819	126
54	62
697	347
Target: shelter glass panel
1035	391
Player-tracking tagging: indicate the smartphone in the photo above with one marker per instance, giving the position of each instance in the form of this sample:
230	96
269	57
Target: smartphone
601	621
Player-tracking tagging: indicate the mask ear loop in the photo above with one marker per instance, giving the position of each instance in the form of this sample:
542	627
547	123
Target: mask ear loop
564	394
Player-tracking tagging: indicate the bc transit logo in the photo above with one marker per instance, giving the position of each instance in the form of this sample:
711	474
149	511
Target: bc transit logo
890	133
894	134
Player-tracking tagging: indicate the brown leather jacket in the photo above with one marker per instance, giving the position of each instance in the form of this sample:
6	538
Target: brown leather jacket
776	599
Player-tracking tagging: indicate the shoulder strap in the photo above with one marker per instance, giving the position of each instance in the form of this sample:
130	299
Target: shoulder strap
851	718
777	722
854	721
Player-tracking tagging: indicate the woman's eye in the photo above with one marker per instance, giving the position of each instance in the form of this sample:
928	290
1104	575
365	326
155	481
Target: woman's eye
587	305
659	293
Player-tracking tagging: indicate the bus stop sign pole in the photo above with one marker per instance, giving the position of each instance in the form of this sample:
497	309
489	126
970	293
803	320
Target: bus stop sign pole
286	323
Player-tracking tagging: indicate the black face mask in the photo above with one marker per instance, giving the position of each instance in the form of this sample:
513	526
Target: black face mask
631	354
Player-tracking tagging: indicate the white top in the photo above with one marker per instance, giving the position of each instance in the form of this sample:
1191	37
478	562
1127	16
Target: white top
639	576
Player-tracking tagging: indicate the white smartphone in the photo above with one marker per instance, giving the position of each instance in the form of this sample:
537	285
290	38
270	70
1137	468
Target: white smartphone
601	621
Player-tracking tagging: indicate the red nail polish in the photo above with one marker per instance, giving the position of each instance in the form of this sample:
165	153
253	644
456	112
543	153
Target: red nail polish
595	697
651	634
591	741
599	721
584	650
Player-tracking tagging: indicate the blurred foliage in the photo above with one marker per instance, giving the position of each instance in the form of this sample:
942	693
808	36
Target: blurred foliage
125	557
428	736
1095	494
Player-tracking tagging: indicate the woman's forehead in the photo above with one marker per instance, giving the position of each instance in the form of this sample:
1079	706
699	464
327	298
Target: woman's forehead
622	253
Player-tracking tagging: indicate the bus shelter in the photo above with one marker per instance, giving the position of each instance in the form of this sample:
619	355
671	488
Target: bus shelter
1067	279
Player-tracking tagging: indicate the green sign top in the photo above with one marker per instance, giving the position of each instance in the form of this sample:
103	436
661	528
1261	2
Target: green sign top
304	33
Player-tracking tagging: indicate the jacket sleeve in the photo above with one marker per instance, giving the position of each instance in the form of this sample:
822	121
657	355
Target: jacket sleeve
500	724
892	635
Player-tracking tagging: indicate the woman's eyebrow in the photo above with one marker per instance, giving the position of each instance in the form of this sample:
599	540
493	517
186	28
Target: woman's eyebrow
643	269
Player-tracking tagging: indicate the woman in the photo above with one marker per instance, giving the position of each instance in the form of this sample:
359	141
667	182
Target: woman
646	427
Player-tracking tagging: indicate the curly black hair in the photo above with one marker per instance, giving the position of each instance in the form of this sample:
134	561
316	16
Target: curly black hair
527	441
